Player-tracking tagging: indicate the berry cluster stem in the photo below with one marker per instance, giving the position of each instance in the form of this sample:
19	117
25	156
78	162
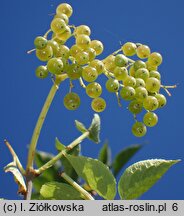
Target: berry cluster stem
86	195
39	125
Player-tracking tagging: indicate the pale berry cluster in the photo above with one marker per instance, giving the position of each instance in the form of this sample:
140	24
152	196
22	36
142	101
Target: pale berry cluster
136	81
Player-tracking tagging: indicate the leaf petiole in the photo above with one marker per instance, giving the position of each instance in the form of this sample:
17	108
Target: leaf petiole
86	195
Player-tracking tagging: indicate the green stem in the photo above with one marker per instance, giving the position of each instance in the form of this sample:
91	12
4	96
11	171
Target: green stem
82	83
86	195
116	52
118	99
108	74
46	34
30	51
39	125
168	87
62	153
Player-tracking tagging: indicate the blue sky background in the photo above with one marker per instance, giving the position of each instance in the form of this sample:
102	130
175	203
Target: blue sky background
158	24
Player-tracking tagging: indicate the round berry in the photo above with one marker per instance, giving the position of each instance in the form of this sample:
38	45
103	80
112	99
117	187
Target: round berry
140	83
155	59
82	29
140	93
129	49
64	8
155	74
54	45
63	52
139	129
91	53
98	104
139	64
143	51
151	67
82	58
130	81
58	25
120	73
150	103
55	66
150	119
127	93
44	54
109	63
64	36
152	85
93	90
98	65
74	71
135	106
132	71
142	73
71	101
62	16
83	41
121	60
112	85
41	72
40	42
97	46
89	74
74	50
161	100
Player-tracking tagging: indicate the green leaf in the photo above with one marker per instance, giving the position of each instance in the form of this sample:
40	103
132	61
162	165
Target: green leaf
141	176
36	196
43	157
38	182
123	157
67	167
59	191
105	154
80	126
59	145
94	129
50	174
11	167
96	174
